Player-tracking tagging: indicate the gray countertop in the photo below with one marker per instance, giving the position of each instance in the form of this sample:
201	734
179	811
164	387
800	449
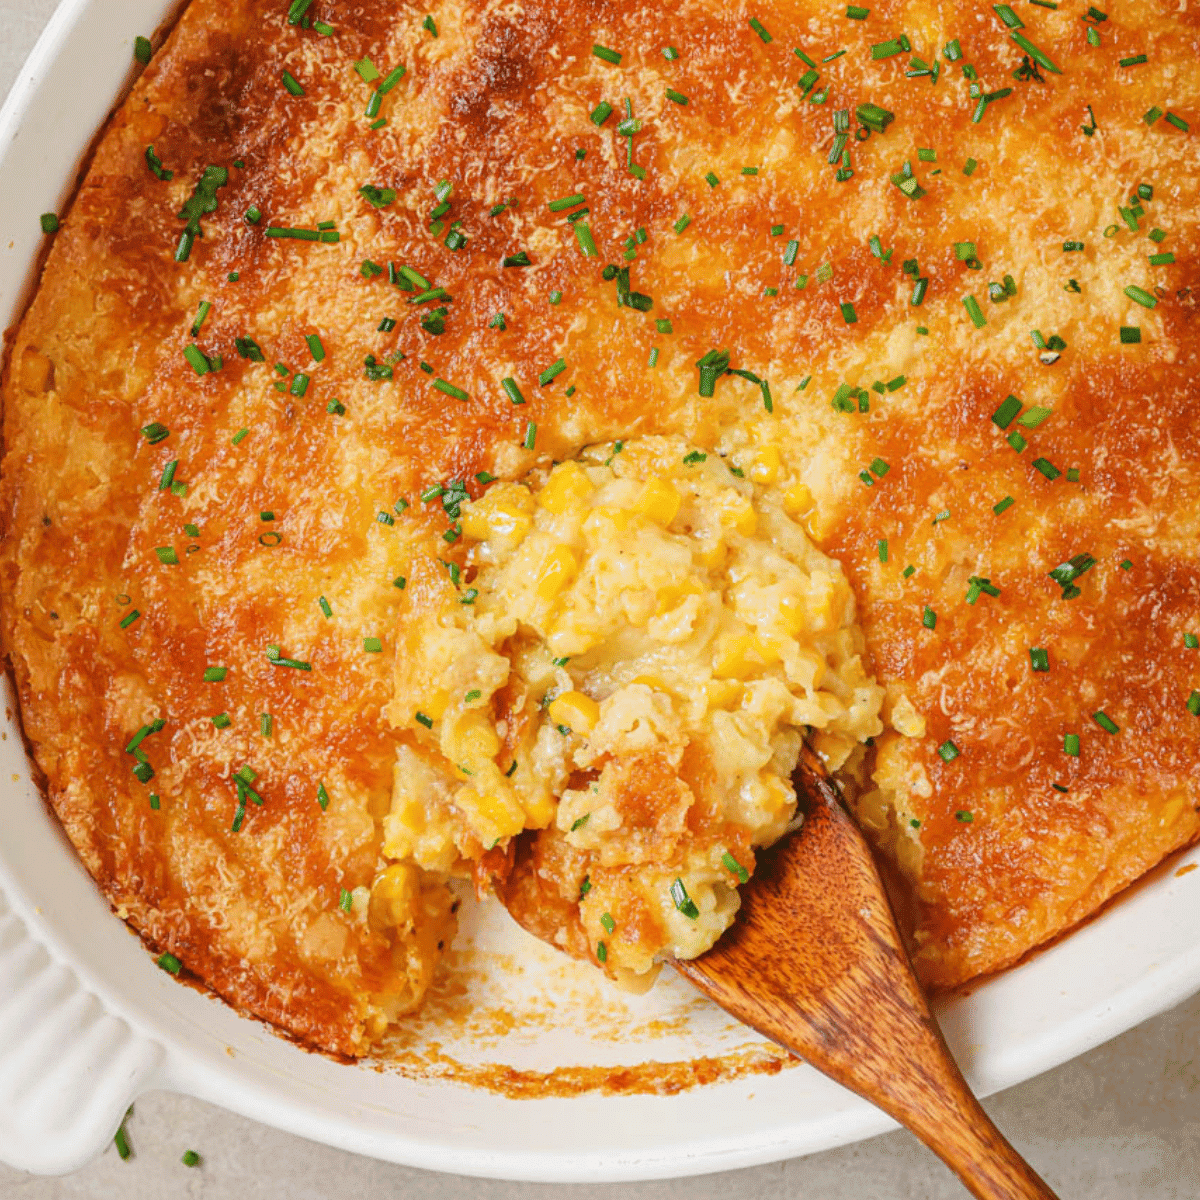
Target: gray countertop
1120	1123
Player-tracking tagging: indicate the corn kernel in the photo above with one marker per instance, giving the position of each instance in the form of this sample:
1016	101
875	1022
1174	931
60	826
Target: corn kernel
475	742
737	511
567	486
791	616
777	795
712	555
769	649
393	893
764	467
602	521
659	501
558	569
576	711
436	704
491	817
539	810
673	594
499	521
736	657
723	693
797	500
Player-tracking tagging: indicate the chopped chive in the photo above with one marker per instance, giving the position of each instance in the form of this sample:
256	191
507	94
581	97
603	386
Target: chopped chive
1105	721
676	97
734	867
974	312
758	28
1193	704
948	752
292	84
530	438
929	618
552	372
1071	744
1040	57
450	390
1141	296
888	49
682	901
1039	658
609	56
1004	504
322	796
372	645
168	963
265	724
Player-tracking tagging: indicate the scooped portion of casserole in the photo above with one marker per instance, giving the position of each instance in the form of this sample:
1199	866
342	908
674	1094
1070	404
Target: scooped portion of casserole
628	663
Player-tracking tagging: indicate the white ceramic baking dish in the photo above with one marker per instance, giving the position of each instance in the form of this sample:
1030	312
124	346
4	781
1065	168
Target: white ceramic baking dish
87	1022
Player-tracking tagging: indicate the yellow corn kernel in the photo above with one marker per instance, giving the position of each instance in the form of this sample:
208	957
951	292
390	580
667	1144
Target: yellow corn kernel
736	657
576	711
602	521
491	817
764	467
736	510
496	521
673	594
791	616
539	810
475	742
558	569
768	649
712	555
797	500
722	693
436	704
658	500
567	486
393	894
777	794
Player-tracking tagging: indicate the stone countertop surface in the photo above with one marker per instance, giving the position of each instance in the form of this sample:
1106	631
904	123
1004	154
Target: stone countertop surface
1119	1123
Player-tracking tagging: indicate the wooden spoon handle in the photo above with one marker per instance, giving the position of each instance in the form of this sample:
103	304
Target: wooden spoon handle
815	962
971	1146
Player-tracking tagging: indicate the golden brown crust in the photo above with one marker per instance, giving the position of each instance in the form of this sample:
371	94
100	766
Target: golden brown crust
498	103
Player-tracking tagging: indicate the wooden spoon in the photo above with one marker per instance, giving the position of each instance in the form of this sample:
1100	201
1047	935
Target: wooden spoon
814	962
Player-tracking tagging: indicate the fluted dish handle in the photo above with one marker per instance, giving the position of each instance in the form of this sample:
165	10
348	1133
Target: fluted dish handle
69	1069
